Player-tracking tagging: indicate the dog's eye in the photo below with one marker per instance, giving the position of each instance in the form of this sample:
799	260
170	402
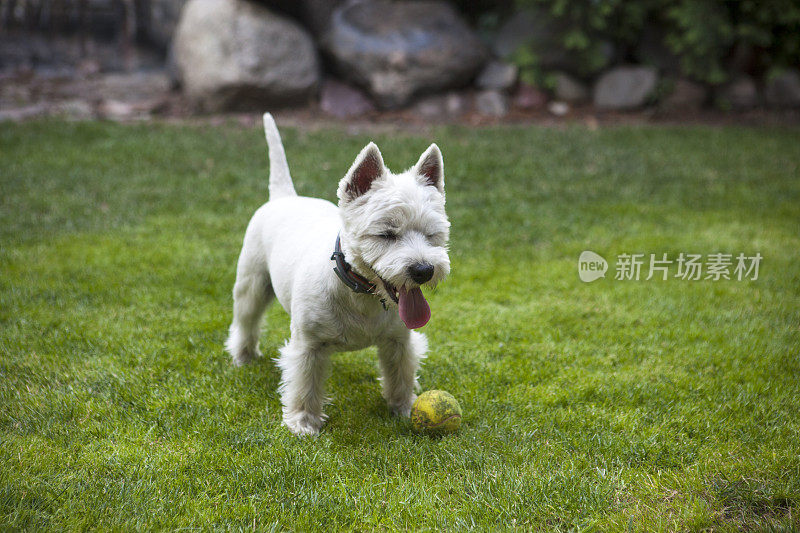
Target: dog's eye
389	235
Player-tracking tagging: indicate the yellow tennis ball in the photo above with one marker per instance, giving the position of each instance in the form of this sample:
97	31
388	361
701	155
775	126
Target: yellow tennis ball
436	412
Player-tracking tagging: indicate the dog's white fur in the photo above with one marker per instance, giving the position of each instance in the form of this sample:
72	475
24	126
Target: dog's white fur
287	254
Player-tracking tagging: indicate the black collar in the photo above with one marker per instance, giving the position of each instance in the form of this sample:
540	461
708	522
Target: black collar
350	277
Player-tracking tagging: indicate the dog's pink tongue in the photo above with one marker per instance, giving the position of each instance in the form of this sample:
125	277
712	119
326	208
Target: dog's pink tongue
414	310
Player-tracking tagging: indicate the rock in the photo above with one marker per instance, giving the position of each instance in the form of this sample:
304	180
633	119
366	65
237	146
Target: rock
117	110
558	109
570	89
53	55
128	109
134	86
164	17
431	107
685	95
451	105
741	93
497	75
529	97
88	67
456	104
236	55
783	90
397	50
492	103
75	109
344	101
625	87
17	114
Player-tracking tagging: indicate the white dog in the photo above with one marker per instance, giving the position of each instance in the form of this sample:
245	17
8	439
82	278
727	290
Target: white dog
349	276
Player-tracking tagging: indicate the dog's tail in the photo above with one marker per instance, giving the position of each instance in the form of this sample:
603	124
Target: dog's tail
280	181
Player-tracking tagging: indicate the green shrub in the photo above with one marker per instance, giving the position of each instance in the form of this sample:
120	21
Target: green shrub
705	35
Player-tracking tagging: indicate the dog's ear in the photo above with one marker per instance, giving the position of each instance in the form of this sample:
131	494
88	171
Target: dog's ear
367	167
430	167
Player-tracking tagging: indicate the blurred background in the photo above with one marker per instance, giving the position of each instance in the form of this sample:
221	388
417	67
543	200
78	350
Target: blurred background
469	61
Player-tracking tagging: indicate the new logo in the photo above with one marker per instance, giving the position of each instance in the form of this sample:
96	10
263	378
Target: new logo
591	266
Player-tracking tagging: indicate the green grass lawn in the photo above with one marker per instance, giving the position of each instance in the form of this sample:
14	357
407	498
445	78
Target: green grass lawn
614	405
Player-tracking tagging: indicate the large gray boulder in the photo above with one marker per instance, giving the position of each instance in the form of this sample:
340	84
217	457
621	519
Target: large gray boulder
741	93
783	90
235	55
497	75
397	50
569	89
625	87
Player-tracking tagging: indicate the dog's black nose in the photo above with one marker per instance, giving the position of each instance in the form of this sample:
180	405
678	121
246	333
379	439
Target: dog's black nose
421	272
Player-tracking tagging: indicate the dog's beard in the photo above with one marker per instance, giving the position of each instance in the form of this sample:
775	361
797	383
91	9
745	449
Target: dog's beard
411	304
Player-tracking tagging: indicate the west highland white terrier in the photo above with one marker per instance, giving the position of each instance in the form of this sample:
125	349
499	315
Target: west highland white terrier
349	276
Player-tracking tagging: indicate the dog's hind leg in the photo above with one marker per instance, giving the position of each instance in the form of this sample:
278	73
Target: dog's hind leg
251	294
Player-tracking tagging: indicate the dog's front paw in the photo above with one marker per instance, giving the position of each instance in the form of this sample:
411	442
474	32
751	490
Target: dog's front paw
303	423
245	356
402	408
242	352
